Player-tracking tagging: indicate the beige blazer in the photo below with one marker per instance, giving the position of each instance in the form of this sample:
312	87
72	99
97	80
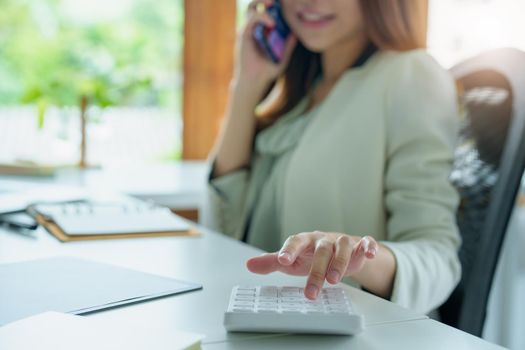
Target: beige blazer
374	161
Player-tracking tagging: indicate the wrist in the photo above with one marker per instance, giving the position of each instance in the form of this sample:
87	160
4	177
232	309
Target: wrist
378	274
251	91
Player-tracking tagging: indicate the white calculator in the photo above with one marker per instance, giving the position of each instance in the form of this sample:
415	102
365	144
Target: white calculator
287	310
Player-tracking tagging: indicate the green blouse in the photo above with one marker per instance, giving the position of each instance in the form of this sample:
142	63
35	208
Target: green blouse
273	148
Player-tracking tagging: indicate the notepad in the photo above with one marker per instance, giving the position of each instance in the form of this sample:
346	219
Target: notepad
99	220
76	286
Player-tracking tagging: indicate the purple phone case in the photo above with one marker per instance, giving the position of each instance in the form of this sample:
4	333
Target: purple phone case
272	41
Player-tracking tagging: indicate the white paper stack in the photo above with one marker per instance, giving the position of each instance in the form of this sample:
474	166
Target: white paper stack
59	331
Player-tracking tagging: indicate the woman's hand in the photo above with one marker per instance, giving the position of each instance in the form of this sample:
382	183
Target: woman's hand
320	255
253	68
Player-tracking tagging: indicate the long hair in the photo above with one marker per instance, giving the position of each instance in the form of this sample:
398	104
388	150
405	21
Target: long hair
398	25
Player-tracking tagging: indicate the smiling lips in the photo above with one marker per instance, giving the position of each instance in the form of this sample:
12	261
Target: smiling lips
314	20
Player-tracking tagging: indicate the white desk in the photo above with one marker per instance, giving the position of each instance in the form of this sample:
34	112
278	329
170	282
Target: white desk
218	263
177	185
422	334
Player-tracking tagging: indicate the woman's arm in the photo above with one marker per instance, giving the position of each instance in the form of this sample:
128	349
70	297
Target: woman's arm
228	188
422	128
252	77
233	148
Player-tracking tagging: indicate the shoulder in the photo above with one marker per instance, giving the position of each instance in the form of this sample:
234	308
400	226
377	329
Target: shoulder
405	75
420	98
416	78
418	72
412	60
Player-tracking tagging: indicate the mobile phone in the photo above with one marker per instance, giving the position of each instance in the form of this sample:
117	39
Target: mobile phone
272	41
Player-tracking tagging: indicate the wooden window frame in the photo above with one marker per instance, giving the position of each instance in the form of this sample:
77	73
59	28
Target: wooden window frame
209	38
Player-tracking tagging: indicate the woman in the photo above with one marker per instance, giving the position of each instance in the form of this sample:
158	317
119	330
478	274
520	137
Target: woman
342	171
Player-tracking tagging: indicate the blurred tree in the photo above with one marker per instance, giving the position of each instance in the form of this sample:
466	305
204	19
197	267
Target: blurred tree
49	59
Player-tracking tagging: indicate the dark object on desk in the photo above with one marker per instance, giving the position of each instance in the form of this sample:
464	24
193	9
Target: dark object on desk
20	220
76	286
487	172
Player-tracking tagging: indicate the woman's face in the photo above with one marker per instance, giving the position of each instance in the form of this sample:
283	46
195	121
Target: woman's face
322	24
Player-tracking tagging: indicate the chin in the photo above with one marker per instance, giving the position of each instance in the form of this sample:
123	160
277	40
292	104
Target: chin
314	46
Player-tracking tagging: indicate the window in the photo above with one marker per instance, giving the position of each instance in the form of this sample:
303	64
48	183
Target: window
459	29
124	56
242	6
209	34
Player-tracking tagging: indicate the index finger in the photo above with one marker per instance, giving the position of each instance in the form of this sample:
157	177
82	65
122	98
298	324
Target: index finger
293	246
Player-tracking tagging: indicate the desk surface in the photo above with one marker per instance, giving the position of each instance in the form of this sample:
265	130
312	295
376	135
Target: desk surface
217	262
177	185
421	334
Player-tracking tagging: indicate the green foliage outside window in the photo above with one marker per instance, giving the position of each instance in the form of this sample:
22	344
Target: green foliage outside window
48	58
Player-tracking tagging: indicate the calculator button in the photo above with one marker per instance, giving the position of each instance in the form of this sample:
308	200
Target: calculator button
293	305
245	292
243	309
336	301
313	307
268	311
291	311
242	303
337	310
268	299
268	292
292	299
267	304
253	289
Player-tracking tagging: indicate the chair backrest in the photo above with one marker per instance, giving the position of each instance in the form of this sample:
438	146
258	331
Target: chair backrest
488	167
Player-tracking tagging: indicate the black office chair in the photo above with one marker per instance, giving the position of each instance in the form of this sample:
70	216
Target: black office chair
488	167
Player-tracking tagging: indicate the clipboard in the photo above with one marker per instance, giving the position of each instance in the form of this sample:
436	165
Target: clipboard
70	222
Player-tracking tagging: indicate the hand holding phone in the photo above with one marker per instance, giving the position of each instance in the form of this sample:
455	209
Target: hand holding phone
272	41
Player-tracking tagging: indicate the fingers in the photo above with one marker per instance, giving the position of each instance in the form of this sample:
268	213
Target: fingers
333	256
257	16
259	6
370	247
322	257
293	246
264	264
366	248
343	252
